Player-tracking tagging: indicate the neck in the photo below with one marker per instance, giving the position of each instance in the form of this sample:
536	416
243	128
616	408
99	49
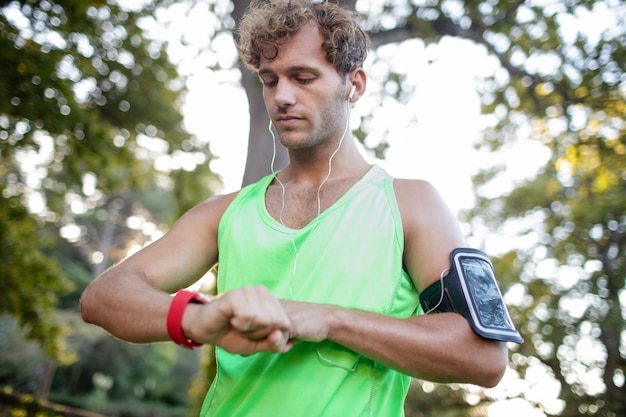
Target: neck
314	166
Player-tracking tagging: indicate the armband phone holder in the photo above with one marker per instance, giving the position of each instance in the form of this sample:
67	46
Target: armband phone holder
470	289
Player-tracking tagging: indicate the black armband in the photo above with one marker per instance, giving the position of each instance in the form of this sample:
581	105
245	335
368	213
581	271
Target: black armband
470	289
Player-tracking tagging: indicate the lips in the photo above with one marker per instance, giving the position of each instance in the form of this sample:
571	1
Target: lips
287	120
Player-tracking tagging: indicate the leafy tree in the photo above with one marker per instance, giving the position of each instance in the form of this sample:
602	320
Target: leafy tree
88	106
563	85
108	376
30	280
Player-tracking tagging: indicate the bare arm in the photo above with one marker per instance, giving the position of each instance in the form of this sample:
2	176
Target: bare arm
440	347
131	300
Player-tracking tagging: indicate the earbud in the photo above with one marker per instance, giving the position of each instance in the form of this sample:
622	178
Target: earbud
352	91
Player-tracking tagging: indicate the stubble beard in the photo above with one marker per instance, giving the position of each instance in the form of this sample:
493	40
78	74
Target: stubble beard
325	131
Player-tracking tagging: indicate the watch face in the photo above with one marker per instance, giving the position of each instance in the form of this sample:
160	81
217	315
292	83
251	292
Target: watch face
484	293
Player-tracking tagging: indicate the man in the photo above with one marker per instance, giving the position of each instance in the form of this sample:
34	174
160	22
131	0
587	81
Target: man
320	264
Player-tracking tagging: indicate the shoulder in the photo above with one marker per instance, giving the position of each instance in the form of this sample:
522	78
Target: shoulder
210	211
187	250
406	186
423	211
416	198
200	223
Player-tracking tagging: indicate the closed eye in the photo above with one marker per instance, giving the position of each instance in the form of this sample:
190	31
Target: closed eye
269	82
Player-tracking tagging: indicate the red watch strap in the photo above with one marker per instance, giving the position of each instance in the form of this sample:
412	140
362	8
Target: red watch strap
175	317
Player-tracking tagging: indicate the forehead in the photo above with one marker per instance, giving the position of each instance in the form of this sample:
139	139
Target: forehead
302	49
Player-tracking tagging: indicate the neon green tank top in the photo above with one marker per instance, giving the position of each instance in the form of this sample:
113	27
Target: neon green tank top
351	255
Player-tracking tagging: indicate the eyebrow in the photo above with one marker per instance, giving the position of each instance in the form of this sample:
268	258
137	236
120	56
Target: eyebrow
292	70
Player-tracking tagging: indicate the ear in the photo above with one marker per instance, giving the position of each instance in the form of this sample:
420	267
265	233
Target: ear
357	81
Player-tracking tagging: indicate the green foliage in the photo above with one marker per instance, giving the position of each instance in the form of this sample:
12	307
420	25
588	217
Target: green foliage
449	400
87	104
107	375
21	361
114	377
31	282
572	214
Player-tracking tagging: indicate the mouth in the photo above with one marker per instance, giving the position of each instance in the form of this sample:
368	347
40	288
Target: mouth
287	120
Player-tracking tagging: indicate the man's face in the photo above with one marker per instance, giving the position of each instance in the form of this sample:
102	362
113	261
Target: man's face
304	94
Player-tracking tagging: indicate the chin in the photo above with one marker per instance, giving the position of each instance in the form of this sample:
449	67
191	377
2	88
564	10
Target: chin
295	143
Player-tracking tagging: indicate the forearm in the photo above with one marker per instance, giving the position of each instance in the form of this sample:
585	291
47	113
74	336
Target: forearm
440	348
127	307
244	321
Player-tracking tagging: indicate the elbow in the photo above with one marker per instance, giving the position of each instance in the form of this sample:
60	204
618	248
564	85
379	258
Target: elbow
494	366
493	378
94	300
87	305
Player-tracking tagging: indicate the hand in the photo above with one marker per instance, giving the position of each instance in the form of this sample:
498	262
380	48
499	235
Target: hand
309	321
243	321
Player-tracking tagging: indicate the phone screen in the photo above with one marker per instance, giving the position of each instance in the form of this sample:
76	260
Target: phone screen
485	293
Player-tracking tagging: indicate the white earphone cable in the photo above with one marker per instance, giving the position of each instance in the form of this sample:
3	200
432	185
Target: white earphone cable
319	189
319	211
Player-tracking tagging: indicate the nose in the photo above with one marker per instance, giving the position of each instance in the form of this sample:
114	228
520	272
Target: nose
284	94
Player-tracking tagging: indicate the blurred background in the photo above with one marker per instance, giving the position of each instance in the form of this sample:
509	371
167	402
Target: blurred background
116	116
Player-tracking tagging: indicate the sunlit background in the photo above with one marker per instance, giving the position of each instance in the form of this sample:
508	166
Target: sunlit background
431	135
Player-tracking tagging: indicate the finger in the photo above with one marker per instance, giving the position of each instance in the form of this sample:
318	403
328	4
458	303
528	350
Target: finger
257	334
246	322
272	309
275	342
279	341
259	310
242	310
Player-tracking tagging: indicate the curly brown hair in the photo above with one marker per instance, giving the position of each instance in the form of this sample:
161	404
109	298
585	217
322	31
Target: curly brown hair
270	23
